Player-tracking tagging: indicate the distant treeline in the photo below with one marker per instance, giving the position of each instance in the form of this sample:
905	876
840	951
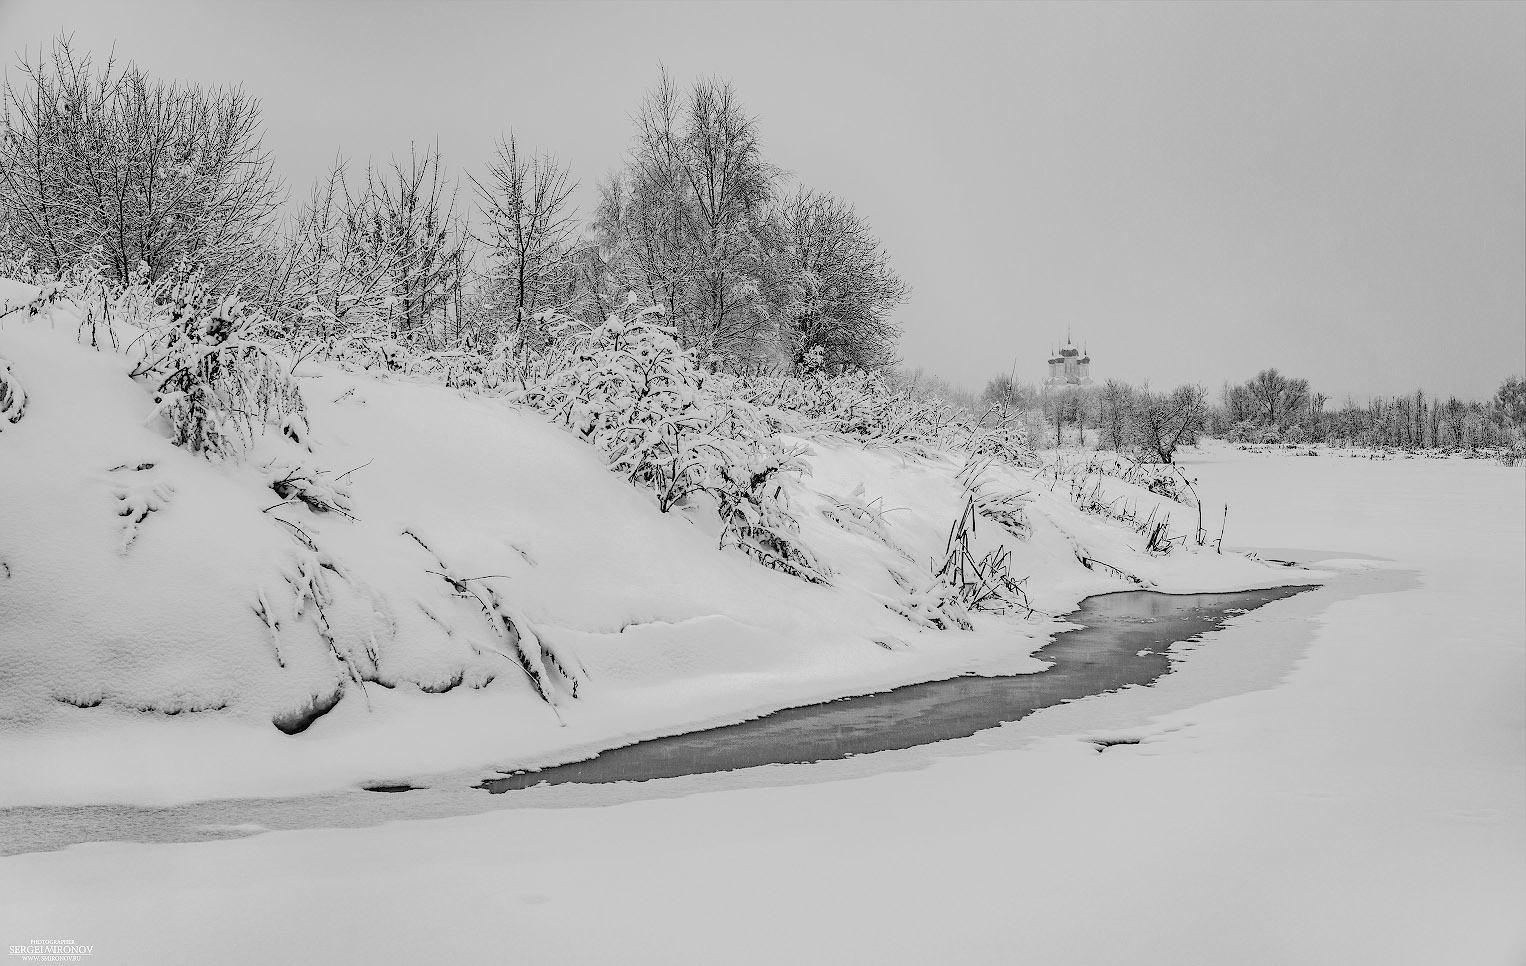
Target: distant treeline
1273	408
1268	408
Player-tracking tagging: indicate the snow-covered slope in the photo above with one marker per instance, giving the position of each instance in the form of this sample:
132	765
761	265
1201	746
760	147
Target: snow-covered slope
172	627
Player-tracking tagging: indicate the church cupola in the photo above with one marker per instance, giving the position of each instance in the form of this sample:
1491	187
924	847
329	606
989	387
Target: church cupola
1069	366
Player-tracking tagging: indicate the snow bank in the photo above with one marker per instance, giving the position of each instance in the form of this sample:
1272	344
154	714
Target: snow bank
395	589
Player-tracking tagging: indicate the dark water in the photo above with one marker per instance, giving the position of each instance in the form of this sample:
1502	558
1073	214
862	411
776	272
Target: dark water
1123	640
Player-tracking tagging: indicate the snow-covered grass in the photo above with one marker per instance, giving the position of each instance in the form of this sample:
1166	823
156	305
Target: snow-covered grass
1336	778
386	576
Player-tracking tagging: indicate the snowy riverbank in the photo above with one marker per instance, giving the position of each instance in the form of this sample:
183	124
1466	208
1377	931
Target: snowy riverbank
1335	778
165	619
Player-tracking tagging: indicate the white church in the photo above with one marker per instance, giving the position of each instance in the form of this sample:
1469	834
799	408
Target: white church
1068	367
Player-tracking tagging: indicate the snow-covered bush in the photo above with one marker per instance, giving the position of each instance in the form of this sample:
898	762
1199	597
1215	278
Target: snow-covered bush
1162	479
963	583
1083	481
213	380
541	663
627	387
986	584
755	508
12	397
873	410
140	493
299	481
48	292
858	515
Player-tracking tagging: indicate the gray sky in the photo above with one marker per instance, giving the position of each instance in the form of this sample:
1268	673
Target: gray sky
1198	191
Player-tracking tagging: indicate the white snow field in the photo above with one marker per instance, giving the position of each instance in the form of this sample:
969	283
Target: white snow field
1337	778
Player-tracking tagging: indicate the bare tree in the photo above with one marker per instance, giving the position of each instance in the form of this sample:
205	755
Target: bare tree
1510	401
731	187
646	213
841	289
695	224
1162	423
1115	410
1063	405
389	258
1006	391
1277	400
110	165
689	215
411	224
331	277
530	233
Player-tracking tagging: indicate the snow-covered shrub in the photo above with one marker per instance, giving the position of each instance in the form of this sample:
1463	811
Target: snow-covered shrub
1007	510
669	426
1088	494
755	508
987	583
17	264
299	481
209	361
535	656
628	388
48	292
856	514
963	583
935	606
963	579
12	397
140	495
871	409
310	573
213	380
1162	479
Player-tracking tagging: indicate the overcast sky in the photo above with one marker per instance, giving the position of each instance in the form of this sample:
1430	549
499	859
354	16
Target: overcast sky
1196	191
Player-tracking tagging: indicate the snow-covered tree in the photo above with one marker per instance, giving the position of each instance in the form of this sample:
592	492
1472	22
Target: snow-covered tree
387	260
331	280
841	290
107	163
1510	401
412	222
685	223
1161	423
530	237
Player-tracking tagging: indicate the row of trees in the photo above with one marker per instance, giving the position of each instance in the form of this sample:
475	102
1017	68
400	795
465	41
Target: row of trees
1268	408
1113	415
105	166
1272	407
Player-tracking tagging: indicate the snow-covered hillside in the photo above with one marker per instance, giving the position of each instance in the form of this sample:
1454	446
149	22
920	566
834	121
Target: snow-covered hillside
412	578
